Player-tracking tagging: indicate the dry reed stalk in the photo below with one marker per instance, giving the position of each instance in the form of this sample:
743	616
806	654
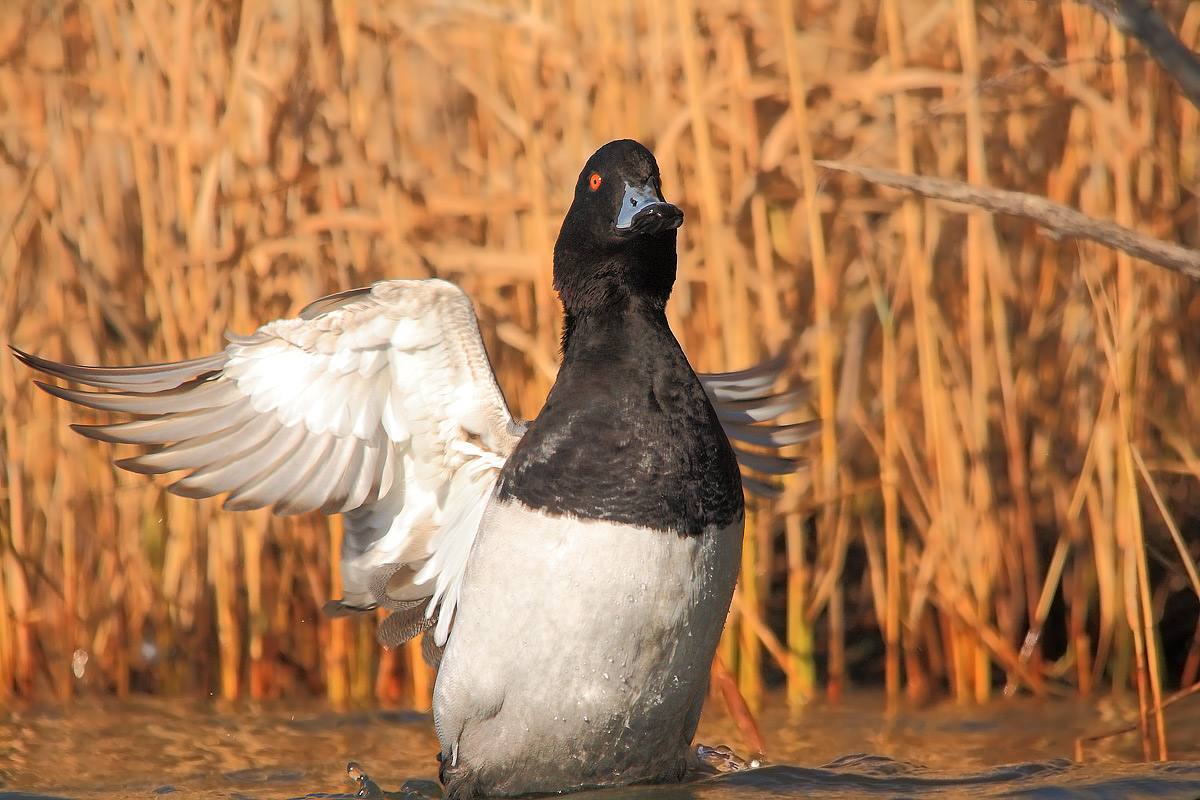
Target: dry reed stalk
252	567
1041	610
222	567
15	649
1118	325
421	677
1128	358
796	662
823	288
749	647
889	590
975	257
722	299
892	630
335	652
1191	462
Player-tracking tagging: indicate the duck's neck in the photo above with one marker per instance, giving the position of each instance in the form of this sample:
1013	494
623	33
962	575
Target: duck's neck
623	328
602	283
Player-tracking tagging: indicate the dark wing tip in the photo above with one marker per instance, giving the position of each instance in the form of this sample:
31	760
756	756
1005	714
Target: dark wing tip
37	363
746	403
332	302
140	380
98	432
769	463
759	488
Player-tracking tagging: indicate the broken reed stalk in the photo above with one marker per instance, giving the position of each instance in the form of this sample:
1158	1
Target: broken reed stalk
1128	314
890	461
1054	219
1175	697
183	195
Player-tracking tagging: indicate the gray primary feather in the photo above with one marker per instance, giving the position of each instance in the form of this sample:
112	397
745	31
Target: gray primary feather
745	383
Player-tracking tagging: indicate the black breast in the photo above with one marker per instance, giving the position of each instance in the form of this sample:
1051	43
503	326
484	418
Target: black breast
627	434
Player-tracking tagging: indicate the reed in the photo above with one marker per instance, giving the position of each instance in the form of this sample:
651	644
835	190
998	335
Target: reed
1007	418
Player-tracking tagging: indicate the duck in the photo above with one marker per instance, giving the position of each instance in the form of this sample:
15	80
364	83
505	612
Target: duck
572	573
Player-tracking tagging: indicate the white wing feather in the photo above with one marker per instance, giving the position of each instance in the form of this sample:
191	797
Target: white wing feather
380	404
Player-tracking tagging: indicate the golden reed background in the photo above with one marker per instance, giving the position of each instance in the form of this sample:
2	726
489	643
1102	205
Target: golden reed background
1010	420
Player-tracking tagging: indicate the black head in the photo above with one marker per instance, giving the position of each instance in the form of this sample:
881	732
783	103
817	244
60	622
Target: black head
618	238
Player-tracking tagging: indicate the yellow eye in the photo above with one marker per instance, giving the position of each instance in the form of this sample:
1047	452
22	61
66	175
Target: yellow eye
594	181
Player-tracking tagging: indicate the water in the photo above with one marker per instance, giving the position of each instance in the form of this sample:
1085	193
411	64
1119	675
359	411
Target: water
154	747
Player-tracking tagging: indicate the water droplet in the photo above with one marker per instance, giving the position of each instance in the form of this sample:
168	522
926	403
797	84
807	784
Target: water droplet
79	660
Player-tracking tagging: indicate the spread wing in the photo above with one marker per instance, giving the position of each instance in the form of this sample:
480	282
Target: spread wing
377	403
746	404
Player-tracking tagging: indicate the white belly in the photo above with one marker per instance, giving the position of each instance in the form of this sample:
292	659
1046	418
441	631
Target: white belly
580	651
